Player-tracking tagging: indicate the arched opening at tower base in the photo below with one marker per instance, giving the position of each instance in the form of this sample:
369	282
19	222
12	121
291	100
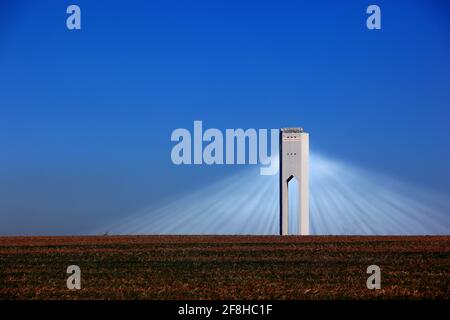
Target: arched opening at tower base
293	203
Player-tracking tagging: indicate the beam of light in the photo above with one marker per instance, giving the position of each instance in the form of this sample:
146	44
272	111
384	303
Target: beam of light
344	199
350	200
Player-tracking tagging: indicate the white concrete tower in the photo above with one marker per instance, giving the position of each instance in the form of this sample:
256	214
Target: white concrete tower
294	163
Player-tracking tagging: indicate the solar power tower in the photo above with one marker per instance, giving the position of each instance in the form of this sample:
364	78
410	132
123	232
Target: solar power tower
294	164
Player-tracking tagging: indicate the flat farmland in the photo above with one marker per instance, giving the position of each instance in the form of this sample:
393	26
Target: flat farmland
225	267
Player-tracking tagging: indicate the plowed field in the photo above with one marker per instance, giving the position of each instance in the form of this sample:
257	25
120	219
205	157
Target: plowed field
224	267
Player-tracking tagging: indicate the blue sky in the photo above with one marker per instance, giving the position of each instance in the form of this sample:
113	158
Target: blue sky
86	116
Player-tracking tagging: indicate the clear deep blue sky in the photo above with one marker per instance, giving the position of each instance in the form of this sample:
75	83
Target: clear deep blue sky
86	116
